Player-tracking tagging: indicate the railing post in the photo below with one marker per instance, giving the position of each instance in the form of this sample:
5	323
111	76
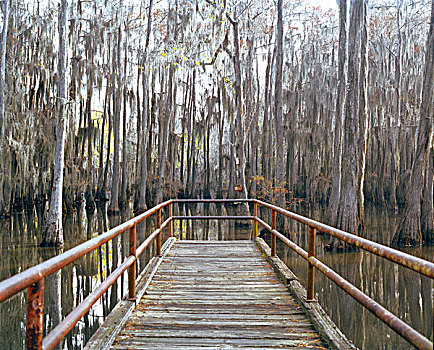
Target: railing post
255	223
158	252
273	236
310	267
171	222
35	315
132	269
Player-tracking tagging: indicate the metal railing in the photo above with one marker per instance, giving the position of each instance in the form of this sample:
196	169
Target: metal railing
33	278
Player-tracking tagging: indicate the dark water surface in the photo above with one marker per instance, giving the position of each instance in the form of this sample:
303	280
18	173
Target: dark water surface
405	293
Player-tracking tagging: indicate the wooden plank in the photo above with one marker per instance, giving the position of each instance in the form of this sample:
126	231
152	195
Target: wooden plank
106	334
214	343
218	295
288	333
203	322
327	328
182	308
209	316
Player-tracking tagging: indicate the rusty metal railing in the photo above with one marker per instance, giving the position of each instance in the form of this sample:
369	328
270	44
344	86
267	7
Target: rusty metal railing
421	266
411	262
33	278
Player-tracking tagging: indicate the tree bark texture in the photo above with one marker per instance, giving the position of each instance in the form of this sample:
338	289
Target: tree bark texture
53	231
114	199
348	204
3	46
332	210
409	231
145	116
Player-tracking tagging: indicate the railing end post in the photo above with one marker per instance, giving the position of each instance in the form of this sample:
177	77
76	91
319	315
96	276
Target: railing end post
171	221
255	223
273	235
35	315
132	270
158	250
310	296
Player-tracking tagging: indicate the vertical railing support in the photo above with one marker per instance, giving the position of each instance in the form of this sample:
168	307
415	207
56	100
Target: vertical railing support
255	223
273	236
35	315
132	269
310	268
158	252
171	222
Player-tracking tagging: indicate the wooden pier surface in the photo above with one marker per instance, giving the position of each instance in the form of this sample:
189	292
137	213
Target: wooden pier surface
217	295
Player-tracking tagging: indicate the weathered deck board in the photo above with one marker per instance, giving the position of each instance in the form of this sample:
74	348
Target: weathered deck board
217	295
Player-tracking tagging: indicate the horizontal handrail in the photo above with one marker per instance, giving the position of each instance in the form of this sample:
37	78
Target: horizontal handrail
210	217
16	283
377	309
63	328
412	262
216	200
33	278
409	261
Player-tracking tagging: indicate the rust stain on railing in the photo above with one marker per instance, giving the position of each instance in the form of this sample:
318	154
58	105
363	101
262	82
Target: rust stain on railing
33	278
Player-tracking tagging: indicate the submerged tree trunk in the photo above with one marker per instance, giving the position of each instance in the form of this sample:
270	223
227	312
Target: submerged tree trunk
240	164
123	200
3	67
396	112
53	231
348	204
4	166
163	141
332	210
362	131
144	130
427	218
278	115
409	230
114	199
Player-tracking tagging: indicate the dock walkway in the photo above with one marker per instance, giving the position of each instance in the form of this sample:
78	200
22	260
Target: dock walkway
217	295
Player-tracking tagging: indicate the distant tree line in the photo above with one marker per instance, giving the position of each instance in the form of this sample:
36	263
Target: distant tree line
140	102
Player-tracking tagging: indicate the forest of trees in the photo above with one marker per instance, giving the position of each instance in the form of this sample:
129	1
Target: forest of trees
137	101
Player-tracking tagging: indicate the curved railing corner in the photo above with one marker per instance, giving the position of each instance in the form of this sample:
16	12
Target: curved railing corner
33	278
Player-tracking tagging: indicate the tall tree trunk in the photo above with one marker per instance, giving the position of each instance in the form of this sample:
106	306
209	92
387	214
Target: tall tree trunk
190	136
396	115
362	115
409	230
100	194
114	199
145	117
348	204
4	165
53	231
163	142
427	218
240	163
221	128
89	131
3	47
266	127
279	195
332	210
123	201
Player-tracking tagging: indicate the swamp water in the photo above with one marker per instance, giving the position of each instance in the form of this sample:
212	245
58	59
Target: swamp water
405	293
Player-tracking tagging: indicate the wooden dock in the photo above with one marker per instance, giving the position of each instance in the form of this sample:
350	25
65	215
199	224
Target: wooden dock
217	295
